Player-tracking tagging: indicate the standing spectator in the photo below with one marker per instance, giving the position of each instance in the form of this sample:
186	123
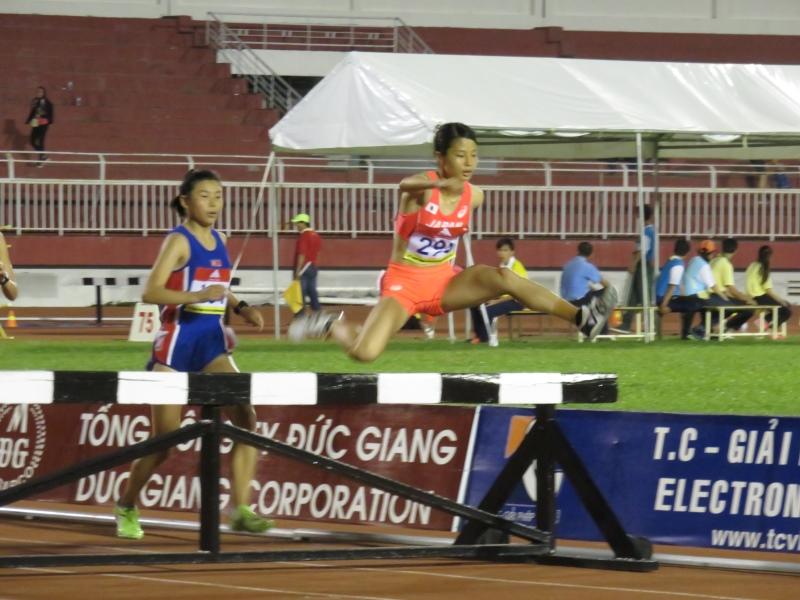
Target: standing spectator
636	294
40	118
7	283
305	260
722	269
502	305
758	284
777	177
668	288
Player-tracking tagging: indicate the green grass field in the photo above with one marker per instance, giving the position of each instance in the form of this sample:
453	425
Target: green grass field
742	377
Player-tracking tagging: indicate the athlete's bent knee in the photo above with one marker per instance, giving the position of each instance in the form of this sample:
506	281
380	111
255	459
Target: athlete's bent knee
363	353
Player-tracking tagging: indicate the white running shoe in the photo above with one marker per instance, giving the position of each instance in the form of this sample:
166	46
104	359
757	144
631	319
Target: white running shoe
316	325
596	313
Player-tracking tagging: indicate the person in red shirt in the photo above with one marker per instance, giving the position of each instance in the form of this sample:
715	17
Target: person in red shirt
305	260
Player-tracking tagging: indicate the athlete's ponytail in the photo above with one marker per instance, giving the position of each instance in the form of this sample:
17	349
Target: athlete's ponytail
764	254
192	178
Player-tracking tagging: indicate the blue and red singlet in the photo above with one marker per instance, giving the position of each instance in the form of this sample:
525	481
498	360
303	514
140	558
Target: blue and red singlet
192	335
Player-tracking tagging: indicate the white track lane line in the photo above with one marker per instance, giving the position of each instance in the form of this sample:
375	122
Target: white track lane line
222	586
577	586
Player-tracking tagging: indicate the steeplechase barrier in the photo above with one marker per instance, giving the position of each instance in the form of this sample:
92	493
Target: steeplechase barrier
484	533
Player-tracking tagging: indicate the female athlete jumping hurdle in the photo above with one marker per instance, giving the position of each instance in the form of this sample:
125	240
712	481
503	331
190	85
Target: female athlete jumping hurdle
435	210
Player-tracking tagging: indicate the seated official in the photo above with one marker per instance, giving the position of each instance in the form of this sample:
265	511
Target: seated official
668	287
502	305
722	269
698	283
580	279
758	284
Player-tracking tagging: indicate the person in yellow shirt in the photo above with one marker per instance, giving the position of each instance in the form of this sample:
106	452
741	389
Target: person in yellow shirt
722	269
504	304
758	283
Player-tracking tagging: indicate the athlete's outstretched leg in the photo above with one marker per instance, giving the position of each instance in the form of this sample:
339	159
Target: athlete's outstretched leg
480	283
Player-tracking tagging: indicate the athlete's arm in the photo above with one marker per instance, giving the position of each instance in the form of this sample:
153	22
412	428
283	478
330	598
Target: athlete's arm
417	185
477	196
7	279
173	255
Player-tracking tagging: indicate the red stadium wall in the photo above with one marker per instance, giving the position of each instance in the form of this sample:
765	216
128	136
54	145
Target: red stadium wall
92	251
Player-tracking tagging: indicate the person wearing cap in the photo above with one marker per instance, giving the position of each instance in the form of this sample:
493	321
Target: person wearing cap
305	259
698	280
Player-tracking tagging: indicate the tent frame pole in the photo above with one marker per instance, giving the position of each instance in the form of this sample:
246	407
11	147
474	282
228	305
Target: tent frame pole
642	238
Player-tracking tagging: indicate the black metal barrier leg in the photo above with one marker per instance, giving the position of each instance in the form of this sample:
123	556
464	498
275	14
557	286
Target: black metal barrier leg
101	463
546	474
209	481
623	545
517	463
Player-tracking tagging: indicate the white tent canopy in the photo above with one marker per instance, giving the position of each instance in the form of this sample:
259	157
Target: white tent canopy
549	108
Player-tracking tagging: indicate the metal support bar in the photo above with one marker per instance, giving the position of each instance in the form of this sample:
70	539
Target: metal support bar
388	485
101	463
209	481
485	552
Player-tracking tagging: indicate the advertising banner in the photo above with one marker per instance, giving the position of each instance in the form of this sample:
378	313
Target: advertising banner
424	446
694	480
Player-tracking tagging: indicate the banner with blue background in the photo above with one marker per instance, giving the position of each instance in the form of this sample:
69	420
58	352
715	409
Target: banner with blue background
693	480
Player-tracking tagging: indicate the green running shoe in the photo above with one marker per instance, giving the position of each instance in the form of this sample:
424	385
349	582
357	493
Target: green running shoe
244	518
128	523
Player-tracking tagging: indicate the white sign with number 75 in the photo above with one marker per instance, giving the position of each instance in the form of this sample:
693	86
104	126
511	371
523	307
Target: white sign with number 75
145	323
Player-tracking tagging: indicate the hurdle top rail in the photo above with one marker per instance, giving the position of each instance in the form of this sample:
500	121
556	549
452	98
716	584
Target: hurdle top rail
149	387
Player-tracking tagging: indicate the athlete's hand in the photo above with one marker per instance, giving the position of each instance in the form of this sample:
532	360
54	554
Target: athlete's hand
212	292
253	316
664	310
451	185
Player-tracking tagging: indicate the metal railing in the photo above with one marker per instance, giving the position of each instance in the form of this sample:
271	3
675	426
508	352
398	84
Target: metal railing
277	92
356	197
356	209
289	31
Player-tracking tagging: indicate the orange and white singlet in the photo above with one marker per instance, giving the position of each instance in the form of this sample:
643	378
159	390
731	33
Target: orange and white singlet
432	236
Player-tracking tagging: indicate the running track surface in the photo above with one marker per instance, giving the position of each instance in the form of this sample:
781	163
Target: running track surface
364	580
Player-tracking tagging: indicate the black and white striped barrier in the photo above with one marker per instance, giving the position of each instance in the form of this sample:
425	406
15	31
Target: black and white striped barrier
146	387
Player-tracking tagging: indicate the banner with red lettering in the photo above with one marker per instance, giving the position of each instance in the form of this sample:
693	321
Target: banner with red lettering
424	446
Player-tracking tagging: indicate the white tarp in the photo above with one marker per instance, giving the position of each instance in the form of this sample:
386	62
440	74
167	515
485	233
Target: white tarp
547	107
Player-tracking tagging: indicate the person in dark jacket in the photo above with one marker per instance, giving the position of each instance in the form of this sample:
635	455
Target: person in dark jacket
40	118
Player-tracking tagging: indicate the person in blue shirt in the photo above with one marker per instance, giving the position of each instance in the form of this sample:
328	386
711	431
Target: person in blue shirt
668	289
636	296
581	280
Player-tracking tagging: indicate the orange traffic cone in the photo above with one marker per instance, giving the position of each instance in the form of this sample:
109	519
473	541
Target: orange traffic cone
11	320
